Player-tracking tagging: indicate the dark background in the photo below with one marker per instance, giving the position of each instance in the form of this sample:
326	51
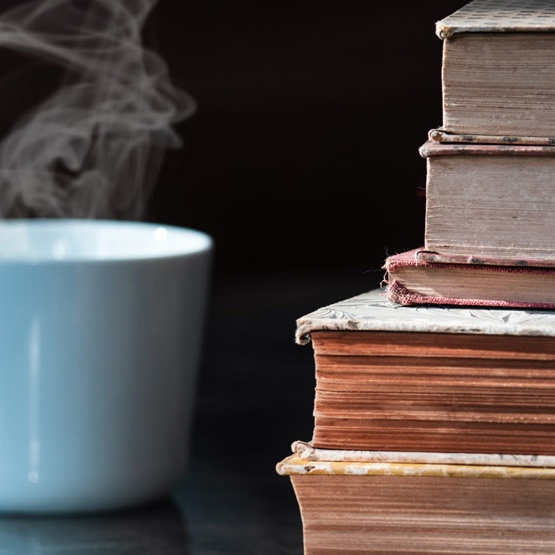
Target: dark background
303	152
302	163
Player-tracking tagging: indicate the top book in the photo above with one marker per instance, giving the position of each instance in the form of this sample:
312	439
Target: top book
498	76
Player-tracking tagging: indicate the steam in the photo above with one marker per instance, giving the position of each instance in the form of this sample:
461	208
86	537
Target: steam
93	149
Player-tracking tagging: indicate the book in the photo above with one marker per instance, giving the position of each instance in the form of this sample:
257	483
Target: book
388	507
497	70
432	379
420	277
490	200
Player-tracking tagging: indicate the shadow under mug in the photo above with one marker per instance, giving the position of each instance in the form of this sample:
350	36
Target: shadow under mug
100	332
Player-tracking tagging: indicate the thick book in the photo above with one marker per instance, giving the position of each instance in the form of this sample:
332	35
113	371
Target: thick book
432	379
420	277
389	507
490	200
497	70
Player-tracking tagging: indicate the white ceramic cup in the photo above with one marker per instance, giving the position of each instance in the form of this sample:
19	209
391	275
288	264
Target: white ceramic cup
100	333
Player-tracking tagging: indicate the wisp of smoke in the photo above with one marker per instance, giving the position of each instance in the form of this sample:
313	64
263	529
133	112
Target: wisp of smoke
92	149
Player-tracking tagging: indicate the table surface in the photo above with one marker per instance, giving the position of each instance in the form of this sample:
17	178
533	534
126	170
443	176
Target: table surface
255	397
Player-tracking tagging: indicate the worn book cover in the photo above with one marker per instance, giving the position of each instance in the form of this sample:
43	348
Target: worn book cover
442	136
499	16
306	450
419	277
423	255
372	311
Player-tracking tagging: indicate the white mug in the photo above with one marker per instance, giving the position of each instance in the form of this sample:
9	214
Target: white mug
100	333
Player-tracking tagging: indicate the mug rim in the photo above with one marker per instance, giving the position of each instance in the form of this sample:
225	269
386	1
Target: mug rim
154	241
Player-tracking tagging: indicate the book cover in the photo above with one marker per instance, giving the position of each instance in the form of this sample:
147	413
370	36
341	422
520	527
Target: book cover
305	450
423	255
294	465
372	311
443	136
499	16
418	277
432	148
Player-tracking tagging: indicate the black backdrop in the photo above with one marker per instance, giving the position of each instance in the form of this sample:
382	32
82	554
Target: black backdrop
303	152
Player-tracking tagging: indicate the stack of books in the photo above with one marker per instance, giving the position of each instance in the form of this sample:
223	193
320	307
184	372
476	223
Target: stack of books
434	423
491	167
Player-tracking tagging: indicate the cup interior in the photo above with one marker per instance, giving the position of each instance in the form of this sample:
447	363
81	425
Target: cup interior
96	240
